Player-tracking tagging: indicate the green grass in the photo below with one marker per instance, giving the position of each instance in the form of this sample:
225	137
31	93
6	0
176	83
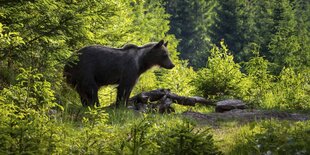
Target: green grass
79	130
230	137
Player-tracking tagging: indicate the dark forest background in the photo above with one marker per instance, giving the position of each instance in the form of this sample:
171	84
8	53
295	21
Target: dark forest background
277	29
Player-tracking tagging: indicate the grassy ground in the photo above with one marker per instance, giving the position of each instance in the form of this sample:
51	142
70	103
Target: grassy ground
125	131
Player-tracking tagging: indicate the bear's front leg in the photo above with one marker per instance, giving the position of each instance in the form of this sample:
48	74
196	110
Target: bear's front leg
123	91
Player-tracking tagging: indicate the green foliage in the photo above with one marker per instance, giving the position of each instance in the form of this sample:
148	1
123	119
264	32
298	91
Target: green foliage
39	114
137	141
25	125
288	91
166	136
179	79
285	45
43	34
93	135
147	82
273	137
7	39
107	95
31	91
279	28
291	92
221	77
185	139
225	26
259	80
190	22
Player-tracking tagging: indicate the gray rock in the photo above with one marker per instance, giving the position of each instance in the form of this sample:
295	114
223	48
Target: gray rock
227	105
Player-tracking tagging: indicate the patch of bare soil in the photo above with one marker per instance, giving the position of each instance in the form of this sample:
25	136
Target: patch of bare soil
244	116
225	110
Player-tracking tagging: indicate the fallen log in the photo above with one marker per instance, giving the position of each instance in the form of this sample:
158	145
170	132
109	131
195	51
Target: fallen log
161	99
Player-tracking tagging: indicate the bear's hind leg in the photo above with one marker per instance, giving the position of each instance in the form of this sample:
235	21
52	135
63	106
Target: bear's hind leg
88	94
92	95
83	101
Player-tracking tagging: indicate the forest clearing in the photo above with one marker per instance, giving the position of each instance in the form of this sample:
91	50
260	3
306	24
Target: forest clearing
155	77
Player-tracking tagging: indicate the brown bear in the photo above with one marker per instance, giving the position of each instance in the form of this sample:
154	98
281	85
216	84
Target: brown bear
97	66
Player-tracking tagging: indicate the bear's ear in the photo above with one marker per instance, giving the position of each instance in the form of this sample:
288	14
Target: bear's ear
159	44
166	44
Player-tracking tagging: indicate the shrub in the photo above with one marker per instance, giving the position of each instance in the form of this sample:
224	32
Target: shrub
291	91
260	80
287	91
179	80
185	139
25	126
273	137
136	140
163	135
221	77
93	134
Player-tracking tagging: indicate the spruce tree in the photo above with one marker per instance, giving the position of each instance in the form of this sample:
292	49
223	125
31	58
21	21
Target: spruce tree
225	26
284	45
190	22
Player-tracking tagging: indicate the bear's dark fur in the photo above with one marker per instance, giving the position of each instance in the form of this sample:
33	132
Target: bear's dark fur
99	65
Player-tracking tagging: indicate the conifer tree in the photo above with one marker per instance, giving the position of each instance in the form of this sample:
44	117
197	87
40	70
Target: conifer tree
190	22
284	44
225	26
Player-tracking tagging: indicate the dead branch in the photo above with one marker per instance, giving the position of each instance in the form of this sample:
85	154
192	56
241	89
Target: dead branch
161	99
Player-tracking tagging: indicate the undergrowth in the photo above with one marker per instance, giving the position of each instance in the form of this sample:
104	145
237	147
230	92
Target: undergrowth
32	122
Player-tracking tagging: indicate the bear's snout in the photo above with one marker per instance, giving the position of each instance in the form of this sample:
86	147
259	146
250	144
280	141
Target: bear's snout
171	66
